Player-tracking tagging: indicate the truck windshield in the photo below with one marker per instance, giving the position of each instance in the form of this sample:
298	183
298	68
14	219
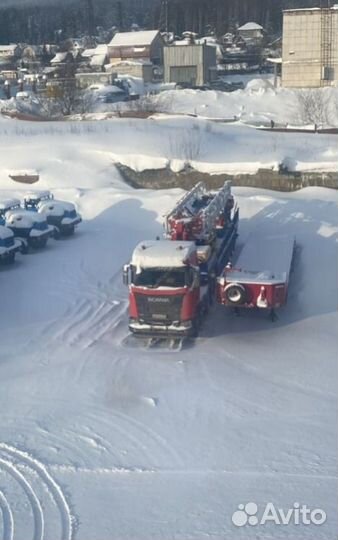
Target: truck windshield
161	277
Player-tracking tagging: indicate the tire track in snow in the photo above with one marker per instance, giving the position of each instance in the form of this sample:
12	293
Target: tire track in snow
107	308
7	518
94	310
11	460
39	525
143	438
91	322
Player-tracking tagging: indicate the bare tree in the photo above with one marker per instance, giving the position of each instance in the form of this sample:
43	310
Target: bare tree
315	106
68	98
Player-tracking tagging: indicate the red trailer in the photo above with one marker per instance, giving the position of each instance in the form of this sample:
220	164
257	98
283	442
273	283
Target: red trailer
261	276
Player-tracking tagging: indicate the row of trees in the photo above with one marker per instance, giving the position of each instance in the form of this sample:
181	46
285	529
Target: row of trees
43	23
57	20
223	15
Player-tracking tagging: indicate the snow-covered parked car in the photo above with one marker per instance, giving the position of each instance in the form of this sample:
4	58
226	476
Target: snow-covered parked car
32	230
61	215
9	246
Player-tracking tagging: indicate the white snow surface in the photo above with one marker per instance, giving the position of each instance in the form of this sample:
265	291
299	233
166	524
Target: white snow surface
102	439
157	142
264	258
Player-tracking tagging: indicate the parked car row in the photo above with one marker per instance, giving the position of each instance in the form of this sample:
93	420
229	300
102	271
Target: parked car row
29	224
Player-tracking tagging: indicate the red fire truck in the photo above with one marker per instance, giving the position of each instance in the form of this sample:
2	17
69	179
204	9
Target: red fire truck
172	282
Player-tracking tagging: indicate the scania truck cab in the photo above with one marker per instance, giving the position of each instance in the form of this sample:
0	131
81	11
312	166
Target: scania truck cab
167	293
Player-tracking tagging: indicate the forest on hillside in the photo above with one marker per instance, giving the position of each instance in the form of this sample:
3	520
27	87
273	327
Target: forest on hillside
46	21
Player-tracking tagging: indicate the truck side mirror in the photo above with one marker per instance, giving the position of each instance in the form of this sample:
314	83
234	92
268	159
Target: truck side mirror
126	274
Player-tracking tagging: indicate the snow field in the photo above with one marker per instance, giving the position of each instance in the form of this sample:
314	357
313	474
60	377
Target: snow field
101	440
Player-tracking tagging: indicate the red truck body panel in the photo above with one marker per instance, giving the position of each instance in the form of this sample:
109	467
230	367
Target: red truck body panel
261	276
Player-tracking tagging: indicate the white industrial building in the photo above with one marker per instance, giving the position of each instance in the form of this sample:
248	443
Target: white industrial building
310	47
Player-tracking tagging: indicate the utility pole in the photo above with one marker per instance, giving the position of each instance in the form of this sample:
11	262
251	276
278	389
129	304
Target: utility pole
90	17
120	15
164	16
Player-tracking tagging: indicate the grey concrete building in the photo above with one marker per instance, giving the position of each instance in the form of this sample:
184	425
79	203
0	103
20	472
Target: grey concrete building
193	64
310	48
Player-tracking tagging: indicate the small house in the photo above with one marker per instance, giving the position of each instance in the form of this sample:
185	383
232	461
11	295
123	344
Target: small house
251	31
145	45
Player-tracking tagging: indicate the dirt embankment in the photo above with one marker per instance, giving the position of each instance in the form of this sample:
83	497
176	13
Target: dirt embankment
264	178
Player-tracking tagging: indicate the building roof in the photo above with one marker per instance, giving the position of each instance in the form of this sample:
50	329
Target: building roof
98	59
8	48
88	53
134	39
334	7
301	9
59	57
251	26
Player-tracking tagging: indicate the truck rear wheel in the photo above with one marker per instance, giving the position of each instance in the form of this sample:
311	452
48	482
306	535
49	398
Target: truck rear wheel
235	294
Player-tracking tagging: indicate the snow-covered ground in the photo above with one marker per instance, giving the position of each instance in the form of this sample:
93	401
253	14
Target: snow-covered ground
155	143
102	441
258	103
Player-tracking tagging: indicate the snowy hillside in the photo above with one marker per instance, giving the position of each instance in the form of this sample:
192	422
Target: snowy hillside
103	441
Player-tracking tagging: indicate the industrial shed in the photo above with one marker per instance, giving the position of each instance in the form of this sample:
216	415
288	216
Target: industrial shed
193	64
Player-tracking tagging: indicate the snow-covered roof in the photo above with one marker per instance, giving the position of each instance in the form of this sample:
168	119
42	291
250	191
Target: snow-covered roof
98	60
134	39
8	48
33	195
88	53
101	49
106	89
139	62
59	57
251	26
8	203
24	95
183	42
162	254
50	69
301	9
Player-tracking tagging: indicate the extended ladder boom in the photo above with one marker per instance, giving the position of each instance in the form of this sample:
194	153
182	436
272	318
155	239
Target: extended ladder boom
198	213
